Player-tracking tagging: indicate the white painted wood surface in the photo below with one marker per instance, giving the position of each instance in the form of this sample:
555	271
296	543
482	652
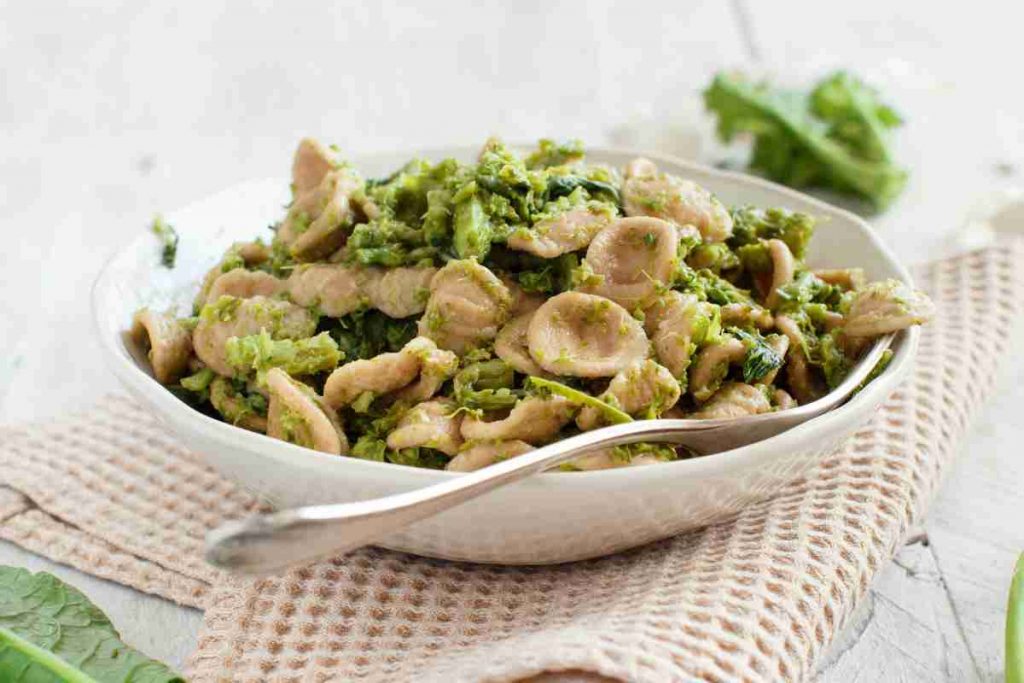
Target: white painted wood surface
112	112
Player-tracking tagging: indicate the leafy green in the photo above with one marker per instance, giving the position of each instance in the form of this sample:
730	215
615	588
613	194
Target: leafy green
761	358
486	385
750	224
365	334
548	276
418	457
563	186
831	139
199	383
390	243
168	236
856	116
1015	626
372	442
259	352
829	356
50	631
610	413
715	257
472	229
551	153
708	286
807	288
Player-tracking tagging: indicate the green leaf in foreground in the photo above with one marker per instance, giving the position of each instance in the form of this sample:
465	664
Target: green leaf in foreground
169	237
1015	626
50	631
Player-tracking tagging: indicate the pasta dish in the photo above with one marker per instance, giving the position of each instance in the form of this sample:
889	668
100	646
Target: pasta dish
451	314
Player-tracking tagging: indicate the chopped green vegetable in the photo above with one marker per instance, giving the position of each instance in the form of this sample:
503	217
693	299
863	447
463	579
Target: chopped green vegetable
169	238
551	153
1015	626
486	385
563	186
750	225
807	288
548	276
829	356
830	139
708	286
199	383
369	447
50	631
418	457
715	257
259	352
365	334
610	413
472	229
761	358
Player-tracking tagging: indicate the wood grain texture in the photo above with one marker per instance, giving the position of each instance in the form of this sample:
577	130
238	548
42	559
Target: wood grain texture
111	113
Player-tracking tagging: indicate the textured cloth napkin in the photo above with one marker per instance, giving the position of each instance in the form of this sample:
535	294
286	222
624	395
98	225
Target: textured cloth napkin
758	598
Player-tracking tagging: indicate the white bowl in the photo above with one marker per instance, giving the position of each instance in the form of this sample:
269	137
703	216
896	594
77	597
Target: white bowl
555	517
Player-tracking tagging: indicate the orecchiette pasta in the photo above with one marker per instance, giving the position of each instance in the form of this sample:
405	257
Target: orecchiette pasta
297	415
452	315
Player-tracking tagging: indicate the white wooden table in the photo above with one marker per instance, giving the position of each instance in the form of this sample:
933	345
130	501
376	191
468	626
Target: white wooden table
112	113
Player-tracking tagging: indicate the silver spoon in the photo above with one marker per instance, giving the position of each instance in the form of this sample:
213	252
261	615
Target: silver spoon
265	543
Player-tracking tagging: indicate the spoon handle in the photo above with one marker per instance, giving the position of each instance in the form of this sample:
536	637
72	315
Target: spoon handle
264	543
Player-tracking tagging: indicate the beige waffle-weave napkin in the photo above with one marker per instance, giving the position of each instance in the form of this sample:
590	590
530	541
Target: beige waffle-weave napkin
757	598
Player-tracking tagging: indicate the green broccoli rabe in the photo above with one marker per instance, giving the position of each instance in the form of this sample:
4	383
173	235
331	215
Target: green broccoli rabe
807	288
562	186
486	385
418	457
550	153
707	286
365	334
856	116
437	221
199	383
760	359
798	146
715	257
546	387
548	276
792	227
472	232
258	353
403	196
828	354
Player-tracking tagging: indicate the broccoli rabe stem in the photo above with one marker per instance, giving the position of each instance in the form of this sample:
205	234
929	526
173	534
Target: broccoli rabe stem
608	411
472	229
